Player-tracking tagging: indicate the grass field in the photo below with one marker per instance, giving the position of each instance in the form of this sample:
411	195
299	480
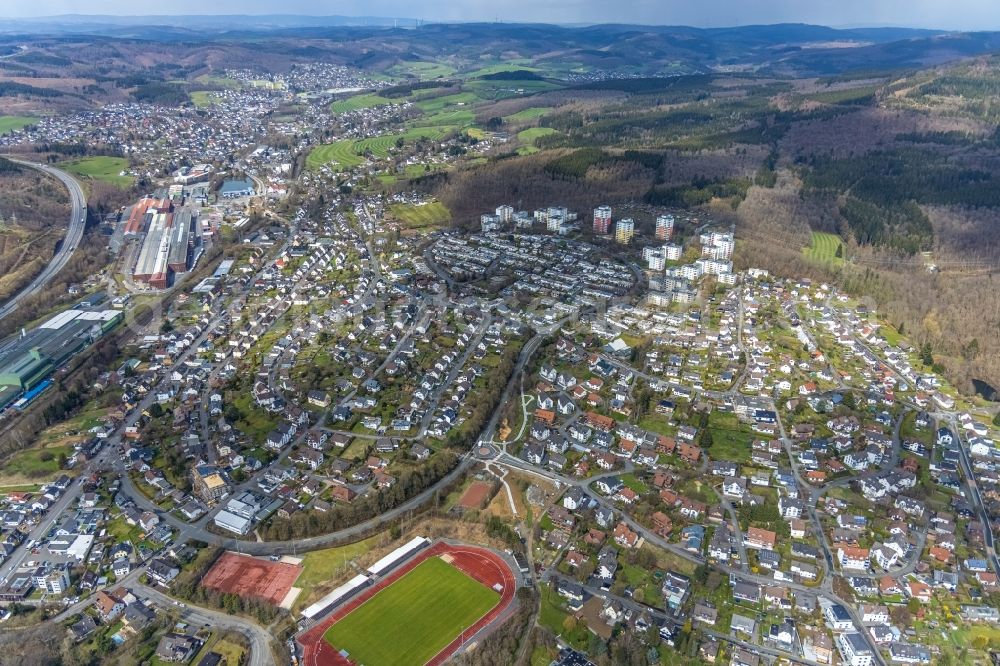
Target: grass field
221	81
423	612
527	138
504	89
823	249
527	115
256	423
40	463
731	445
381	145
552	616
231	653
122	531
529	135
432	214
448	117
729	441
503	67
358	102
378	146
891	334
8	123
72	430
435	133
341	153
635	484
417	170
908	430
422	70
103	168
202	98
964	637
435	104
21	488
321	566
658	424
348	154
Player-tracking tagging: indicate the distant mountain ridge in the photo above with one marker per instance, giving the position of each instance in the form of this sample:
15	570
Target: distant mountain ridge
206	22
268	22
786	49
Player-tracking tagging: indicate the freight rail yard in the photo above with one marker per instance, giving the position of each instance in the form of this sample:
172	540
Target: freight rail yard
28	361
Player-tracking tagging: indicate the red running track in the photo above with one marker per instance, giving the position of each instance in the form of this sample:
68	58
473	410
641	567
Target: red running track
478	563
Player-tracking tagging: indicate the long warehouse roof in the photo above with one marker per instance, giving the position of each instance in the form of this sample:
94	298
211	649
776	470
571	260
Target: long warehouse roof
153	257
179	237
67	316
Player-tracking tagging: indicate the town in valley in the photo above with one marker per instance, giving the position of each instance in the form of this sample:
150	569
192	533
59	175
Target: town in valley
450	356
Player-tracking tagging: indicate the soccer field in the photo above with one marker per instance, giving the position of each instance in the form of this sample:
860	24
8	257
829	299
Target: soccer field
414	618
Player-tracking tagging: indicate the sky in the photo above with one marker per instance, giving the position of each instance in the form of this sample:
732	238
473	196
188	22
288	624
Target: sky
940	14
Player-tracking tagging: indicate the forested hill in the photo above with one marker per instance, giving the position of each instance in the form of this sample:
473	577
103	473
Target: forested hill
786	49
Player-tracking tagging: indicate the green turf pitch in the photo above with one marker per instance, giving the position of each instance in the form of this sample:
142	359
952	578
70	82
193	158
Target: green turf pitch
414	618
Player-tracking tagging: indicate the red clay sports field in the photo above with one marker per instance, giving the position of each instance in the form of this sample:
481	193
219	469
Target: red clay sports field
252	577
480	564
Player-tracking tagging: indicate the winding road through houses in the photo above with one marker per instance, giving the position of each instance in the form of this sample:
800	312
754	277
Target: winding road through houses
258	638
74	234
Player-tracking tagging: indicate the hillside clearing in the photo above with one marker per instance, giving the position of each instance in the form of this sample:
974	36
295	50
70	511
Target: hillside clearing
823	249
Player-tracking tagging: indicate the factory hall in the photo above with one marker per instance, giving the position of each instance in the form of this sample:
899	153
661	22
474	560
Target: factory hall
168	237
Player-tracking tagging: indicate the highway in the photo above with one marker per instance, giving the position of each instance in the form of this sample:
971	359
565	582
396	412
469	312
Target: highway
74	234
